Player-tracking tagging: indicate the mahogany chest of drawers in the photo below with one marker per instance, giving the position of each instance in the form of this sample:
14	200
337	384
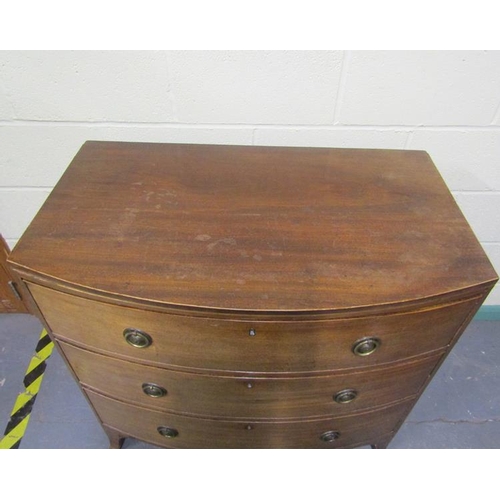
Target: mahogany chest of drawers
237	296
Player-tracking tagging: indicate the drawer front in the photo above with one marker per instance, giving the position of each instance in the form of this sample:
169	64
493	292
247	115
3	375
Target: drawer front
190	432
247	397
263	346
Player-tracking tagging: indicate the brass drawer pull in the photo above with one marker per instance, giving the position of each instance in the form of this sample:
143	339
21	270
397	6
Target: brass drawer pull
330	436
136	338
154	390
345	396
366	346
168	432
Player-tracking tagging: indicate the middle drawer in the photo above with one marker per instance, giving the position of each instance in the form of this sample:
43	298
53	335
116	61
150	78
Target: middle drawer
247	397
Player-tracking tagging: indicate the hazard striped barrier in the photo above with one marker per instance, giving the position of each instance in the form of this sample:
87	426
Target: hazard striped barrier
20	414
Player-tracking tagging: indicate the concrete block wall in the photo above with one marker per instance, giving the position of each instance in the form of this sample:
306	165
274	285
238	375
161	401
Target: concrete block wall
445	102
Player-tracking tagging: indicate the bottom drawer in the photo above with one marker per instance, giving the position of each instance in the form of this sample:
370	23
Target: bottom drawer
177	431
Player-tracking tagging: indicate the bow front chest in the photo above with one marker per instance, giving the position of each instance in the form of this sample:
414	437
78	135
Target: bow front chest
235	296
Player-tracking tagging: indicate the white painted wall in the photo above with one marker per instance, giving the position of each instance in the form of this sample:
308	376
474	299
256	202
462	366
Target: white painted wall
447	103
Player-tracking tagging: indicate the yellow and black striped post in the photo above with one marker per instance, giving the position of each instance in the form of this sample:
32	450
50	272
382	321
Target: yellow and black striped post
21	412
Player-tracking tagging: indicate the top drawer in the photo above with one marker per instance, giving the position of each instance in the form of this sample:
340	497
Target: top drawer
243	346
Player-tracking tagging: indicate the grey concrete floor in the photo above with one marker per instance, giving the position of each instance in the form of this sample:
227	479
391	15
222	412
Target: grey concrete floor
460	408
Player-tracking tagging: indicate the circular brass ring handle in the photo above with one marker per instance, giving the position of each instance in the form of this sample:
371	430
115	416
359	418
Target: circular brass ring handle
168	432
366	346
330	436
136	338
345	396
153	390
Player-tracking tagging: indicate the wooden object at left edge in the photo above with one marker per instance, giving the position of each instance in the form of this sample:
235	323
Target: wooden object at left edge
10	299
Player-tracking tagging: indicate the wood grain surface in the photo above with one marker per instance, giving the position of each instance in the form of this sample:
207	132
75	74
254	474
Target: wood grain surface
254	228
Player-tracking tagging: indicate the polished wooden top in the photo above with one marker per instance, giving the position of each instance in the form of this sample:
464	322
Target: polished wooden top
254	228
